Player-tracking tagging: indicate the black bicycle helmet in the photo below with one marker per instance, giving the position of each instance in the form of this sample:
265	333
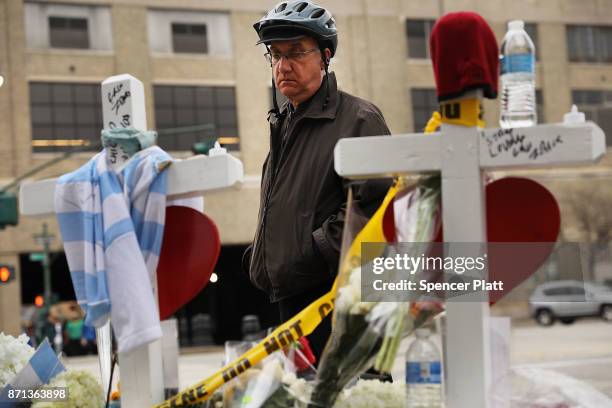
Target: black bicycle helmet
293	19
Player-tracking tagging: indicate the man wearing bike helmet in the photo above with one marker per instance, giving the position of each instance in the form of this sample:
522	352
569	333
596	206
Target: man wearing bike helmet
295	253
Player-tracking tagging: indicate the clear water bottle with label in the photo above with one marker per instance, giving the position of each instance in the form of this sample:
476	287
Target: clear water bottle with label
517	65
423	373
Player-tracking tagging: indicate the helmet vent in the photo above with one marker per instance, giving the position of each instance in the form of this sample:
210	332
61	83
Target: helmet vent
288	12
281	7
317	13
330	23
300	7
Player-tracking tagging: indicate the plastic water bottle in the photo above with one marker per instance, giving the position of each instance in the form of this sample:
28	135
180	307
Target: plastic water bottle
517	64
423	373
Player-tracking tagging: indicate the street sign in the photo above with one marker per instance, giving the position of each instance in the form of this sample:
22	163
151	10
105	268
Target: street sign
37	256
8	209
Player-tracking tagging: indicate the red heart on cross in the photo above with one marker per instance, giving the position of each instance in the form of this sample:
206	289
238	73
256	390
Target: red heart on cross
189	253
519	211
525	217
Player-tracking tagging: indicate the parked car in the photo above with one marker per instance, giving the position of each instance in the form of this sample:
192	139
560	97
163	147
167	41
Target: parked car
568	300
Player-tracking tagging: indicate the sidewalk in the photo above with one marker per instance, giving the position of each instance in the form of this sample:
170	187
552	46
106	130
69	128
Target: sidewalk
194	365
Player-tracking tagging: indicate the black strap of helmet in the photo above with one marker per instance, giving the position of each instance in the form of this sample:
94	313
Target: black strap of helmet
275	108
275	117
274	102
326	65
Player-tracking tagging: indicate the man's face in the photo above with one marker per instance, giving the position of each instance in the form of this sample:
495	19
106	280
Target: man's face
297	78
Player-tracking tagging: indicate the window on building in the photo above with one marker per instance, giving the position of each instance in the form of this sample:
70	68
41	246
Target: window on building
68	32
67	26
532	32
589	43
65	116
540	106
597	106
424	103
189	38
189	31
188	114
417	34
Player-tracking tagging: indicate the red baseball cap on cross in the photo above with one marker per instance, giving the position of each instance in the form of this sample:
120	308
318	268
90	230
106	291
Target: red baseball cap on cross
465	56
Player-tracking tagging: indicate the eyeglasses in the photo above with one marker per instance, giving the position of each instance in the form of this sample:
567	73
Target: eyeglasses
274	57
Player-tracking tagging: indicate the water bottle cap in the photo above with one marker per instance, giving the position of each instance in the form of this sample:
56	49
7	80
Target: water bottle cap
422	333
574	116
516	25
217	150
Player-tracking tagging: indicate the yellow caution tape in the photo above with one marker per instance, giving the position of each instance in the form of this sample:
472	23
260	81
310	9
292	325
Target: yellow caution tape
466	112
372	232
300	325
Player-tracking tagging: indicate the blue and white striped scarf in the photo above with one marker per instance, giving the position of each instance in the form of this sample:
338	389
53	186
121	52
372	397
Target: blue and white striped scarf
112	227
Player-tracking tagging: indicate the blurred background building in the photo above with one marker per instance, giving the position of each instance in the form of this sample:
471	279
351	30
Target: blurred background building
204	78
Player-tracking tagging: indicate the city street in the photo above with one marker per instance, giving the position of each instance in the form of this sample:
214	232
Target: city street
582	350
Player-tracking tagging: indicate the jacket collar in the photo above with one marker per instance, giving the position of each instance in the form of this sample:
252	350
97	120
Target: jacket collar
313	108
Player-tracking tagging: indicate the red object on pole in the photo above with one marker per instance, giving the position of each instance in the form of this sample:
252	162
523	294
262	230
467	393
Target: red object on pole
465	55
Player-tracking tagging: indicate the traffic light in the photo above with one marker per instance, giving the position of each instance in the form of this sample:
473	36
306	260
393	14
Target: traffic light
39	301
7	273
8	209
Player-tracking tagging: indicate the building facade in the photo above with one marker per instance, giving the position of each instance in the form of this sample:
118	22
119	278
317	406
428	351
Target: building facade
204	76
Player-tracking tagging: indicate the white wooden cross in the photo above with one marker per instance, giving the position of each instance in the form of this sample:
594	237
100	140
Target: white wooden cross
123	105
461	155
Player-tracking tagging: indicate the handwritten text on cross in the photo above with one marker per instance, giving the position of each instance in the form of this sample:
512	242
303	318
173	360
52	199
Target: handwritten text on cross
115	101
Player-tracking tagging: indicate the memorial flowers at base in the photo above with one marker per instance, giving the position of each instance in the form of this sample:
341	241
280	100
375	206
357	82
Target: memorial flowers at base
274	384
14	355
84	391
367	333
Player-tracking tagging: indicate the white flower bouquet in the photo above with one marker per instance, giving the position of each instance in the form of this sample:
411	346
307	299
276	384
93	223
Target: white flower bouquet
84	391
14	355
272	383
372	393
368	333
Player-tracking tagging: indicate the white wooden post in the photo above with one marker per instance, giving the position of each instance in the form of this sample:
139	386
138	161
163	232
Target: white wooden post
467	323
123	105
461	154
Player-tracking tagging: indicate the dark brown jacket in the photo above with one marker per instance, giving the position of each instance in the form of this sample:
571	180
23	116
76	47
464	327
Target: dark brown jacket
303	200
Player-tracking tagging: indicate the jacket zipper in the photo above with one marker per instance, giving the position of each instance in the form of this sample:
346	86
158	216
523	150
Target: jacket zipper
275	171
262	227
